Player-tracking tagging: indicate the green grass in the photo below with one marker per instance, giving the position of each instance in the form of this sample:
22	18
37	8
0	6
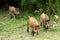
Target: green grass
16	29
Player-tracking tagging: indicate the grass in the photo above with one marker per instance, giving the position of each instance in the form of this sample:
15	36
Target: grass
16	29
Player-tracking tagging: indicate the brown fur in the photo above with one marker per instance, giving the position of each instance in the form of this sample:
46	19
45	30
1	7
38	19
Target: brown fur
13	11
33	25
44	20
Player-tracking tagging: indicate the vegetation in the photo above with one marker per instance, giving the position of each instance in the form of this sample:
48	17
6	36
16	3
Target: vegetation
16	29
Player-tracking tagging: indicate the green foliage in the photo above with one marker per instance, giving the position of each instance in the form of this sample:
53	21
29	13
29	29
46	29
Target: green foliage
33	5
23	2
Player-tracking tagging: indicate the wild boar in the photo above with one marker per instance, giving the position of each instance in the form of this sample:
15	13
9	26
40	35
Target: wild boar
13	11
32	25
44	20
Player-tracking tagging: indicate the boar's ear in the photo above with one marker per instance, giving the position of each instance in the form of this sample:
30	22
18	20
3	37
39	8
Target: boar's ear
17	8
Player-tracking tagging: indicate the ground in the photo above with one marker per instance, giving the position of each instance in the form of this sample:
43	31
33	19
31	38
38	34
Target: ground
16	29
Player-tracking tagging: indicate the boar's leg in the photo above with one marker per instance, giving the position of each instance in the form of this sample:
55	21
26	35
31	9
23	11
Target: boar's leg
27	29
41	24
33	33
15	15
11	16
37	33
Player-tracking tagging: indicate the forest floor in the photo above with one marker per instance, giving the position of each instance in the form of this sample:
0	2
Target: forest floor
16	29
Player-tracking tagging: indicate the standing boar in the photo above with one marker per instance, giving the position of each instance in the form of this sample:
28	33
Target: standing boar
32	25
44	20
13	11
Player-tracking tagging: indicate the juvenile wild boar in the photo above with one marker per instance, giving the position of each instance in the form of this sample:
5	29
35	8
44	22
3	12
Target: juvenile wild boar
32	25
13	11
44	20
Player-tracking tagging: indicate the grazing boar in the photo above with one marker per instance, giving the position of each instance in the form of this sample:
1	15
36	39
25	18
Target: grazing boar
44	20
32	25
13	11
